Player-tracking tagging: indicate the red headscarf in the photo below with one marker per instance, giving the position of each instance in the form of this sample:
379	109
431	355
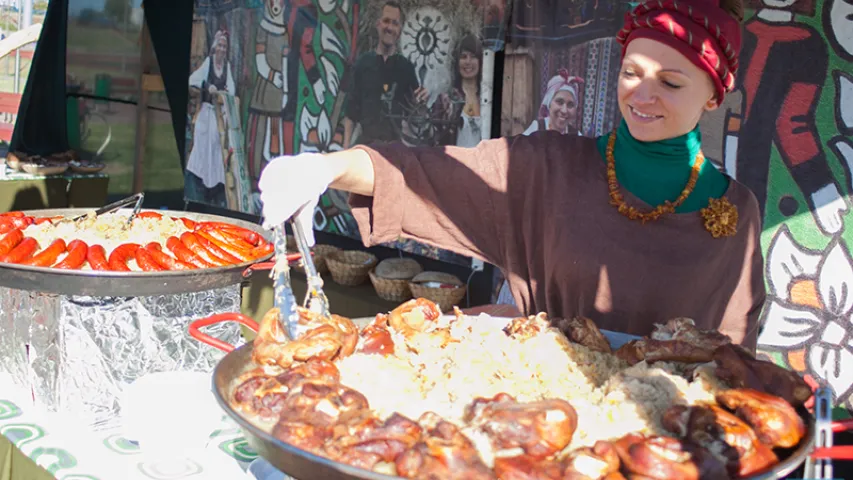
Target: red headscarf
699	29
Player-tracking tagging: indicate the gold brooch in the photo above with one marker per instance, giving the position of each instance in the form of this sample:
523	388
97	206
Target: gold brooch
720	217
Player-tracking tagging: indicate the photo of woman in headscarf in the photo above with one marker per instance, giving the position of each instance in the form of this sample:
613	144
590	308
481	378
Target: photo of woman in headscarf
205	173
560	103
461	105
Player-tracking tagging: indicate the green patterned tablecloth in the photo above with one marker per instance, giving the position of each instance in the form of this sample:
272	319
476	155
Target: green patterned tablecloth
69	452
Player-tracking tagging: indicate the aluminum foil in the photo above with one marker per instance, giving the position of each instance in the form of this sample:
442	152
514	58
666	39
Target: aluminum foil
77	353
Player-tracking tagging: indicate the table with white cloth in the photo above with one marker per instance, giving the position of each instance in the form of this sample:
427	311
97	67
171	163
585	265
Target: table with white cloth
69	451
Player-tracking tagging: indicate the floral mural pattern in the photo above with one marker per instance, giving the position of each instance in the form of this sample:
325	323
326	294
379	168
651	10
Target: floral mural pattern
808	318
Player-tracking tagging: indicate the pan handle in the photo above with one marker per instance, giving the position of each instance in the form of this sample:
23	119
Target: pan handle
219	318
842	425
262	266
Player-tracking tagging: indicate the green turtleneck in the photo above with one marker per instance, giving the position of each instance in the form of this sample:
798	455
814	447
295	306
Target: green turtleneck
658	171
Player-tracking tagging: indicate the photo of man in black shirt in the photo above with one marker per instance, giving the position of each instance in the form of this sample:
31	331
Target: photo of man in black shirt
381	76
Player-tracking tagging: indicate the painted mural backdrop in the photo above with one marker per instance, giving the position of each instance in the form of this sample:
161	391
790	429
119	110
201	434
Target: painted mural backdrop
276	77
791	127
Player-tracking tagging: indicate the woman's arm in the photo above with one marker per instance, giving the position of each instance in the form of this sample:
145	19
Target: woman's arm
353	171
483	202
198	77
454	198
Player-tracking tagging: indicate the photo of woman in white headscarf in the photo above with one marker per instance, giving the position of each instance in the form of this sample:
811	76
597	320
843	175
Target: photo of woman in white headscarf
461	105
205	173
560	103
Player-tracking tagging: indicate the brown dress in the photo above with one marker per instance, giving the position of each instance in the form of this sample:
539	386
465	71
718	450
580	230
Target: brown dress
537	206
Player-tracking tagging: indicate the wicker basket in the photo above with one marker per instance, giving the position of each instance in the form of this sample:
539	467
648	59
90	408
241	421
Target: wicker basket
322	251
350	267
391	278
445	297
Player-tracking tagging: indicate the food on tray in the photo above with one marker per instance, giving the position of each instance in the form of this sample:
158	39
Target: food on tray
152	242
423	395
582	330
678	340
740	369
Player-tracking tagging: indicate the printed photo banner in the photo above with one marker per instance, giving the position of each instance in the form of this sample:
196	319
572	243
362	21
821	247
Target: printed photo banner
282	77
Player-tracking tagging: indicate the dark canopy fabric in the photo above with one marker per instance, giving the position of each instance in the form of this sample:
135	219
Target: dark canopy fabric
170	24
43	103
37	130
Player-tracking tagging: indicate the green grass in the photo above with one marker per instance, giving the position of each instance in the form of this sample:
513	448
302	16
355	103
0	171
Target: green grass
162	166
7	73
101	40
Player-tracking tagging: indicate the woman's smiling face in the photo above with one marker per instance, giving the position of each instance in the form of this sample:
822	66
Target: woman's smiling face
661	93
562	111
469	64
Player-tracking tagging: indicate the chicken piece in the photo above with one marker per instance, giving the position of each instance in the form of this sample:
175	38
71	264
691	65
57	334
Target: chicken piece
524	467
364	441
678	340
260	395
324	338
523	328
710	466
415	315
344	326
315	370
375	338
741	369
417	320
722	434
541	428
584	331
324	405
660	458
632	352
774	420
442	453
303	435
594	463
652	351
684	329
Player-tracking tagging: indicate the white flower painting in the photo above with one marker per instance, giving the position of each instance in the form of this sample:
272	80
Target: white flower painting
809	311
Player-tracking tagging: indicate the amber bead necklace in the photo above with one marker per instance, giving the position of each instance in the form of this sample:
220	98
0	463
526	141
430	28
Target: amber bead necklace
666	207
720	217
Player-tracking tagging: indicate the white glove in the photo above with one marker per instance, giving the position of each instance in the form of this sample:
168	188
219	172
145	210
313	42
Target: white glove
292	182
277	79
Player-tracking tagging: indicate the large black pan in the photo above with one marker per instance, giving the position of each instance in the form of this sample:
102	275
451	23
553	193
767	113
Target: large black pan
303	465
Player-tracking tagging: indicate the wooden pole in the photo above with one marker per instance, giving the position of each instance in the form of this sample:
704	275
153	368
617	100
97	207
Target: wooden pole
141	113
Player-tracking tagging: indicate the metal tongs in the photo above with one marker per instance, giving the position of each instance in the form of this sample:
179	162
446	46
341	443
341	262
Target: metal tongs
284	300
133	199
821	468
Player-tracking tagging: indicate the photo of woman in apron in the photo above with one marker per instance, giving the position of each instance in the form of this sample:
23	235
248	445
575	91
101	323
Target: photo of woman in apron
205	173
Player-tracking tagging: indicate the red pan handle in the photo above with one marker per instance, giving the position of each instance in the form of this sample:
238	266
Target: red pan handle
291	257
840	452
842	425
219	318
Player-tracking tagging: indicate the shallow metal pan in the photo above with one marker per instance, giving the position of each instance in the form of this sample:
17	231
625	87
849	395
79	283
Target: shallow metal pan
303	465
126	284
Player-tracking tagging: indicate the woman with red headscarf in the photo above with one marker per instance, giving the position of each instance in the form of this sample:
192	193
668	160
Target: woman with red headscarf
630	229
560	104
